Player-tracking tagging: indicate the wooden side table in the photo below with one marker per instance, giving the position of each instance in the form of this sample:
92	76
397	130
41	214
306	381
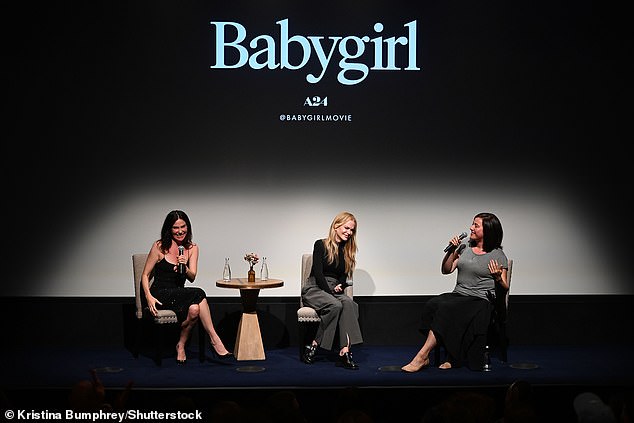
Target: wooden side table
249	344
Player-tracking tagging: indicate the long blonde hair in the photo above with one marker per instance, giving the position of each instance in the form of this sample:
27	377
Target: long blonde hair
349	249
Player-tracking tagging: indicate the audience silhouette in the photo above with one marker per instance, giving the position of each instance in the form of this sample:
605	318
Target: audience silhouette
517	403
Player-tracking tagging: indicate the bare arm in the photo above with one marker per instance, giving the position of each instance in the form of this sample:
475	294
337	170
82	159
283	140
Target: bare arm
450	260
191	263
152	258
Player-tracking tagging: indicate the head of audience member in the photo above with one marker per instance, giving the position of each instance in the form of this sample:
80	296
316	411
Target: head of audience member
591	409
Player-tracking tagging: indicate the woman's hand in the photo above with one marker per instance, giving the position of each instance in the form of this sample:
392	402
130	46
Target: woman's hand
338	288
181	259
455	241
151	304
496	270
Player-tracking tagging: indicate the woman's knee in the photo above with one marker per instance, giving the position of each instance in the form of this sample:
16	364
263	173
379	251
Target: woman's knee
194	311
336	306
330	306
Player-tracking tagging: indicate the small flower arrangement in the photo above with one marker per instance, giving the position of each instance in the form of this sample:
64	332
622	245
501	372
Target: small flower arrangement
252	259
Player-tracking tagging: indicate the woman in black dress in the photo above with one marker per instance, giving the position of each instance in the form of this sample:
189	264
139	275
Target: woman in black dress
172	260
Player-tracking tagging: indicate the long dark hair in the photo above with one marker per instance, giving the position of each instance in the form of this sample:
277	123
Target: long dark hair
491	231
166	230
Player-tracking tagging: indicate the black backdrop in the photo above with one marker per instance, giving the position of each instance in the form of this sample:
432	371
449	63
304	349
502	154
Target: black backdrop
107	98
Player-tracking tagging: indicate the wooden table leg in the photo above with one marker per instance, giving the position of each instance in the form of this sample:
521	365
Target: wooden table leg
249	344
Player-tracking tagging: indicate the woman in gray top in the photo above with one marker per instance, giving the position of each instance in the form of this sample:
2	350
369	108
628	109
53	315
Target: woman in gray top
333	264
459	320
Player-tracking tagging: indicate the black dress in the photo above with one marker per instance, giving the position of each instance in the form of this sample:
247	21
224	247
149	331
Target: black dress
169	289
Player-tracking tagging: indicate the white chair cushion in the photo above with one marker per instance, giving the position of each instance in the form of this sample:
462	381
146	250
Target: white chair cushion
307	314
165	316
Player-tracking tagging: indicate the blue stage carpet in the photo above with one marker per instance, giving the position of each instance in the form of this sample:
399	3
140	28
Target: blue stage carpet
61	368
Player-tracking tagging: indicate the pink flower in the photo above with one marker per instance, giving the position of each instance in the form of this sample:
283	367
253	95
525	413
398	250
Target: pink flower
252	259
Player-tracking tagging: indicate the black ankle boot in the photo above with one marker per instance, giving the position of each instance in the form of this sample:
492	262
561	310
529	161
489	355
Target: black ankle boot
346	362
309	354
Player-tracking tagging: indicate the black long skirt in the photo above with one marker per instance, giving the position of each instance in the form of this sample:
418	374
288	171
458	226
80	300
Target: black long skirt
460	324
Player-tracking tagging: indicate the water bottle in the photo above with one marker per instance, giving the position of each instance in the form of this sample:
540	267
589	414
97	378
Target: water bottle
264	272
487	359
226	272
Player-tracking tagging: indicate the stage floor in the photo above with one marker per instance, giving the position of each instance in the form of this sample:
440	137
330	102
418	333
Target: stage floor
39	377
60	368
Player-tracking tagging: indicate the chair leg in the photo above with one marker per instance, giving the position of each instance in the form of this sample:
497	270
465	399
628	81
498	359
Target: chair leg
137	338
301	330
504	343
202	342
307	331
158	358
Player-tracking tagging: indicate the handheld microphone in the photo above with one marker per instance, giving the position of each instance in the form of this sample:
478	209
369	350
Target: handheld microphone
181	266
451	246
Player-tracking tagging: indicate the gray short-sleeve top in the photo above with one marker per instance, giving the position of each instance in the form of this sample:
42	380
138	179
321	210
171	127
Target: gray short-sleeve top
474	278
